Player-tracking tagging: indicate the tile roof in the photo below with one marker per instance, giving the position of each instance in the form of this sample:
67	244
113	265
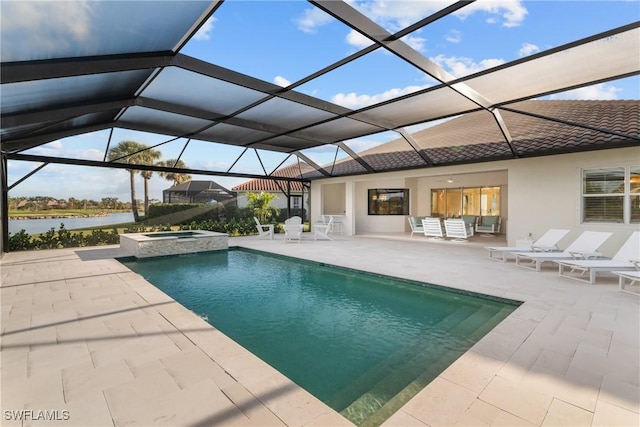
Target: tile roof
292	171
197	186
536	128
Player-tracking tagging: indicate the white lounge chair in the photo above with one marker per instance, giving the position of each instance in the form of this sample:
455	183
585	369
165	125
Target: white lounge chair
432	227
264	230
633	284
548	242
323	230
457	230
293	229
584	247
622	260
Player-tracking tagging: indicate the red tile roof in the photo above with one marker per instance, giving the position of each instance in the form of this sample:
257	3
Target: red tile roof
296	170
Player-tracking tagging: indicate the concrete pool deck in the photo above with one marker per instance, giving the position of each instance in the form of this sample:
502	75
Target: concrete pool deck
94	344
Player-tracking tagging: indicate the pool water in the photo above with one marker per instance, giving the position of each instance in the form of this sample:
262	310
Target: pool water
364	344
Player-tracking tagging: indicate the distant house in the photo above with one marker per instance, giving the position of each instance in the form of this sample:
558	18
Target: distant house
299	195
198	192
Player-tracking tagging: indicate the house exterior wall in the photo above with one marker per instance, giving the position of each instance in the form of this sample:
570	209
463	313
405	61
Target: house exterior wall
280	202
536	194
545	192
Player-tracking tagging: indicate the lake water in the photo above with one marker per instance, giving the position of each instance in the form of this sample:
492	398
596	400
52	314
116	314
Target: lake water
34	226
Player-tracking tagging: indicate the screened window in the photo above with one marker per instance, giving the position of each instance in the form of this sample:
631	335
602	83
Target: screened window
388	201
611	195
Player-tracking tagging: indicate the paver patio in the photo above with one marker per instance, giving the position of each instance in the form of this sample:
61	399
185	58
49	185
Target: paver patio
87	338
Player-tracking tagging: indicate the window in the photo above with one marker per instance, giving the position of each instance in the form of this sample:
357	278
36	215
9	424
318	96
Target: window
611	195
296	202
455	202
388	202
634	193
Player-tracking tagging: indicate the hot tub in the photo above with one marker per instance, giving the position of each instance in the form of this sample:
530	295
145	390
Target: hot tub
162	243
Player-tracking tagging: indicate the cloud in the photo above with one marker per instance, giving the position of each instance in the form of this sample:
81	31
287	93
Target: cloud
528	49
417	43
461	66
60	149
357	40
453	36
354	101
204	32
512	13
598	91
362	144
49	27
281	81
311	19
395	15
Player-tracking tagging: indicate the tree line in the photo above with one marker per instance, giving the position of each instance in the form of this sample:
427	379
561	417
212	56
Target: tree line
41	203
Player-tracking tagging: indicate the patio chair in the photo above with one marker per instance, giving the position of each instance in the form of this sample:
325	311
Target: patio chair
488	225
293	229
585	246
416	224
548	242
323	230
470	221
622	260
457	230
264	230
633	277
432	227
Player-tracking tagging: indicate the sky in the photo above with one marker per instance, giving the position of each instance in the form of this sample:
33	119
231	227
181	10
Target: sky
284	41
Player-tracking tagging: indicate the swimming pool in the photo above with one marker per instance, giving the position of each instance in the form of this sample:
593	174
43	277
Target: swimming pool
362	343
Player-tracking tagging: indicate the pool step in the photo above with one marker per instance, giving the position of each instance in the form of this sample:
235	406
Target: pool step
375	374
397	401
411	375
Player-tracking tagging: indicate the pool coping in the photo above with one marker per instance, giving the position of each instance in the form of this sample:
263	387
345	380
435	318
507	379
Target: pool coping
562	355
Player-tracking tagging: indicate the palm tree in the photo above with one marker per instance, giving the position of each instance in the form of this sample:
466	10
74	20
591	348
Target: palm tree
148	157
128	152
261	205
175	177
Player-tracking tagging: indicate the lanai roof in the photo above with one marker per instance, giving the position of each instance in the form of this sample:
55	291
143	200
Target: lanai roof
131	74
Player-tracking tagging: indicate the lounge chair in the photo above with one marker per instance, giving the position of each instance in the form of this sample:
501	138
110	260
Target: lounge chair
323	230
293	229
416	224
633	286
488	225
584	247
457	230
622	260
548	242
264	230
433	228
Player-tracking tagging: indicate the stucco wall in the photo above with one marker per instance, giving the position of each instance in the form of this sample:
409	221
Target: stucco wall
279	202
537	194
545	192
